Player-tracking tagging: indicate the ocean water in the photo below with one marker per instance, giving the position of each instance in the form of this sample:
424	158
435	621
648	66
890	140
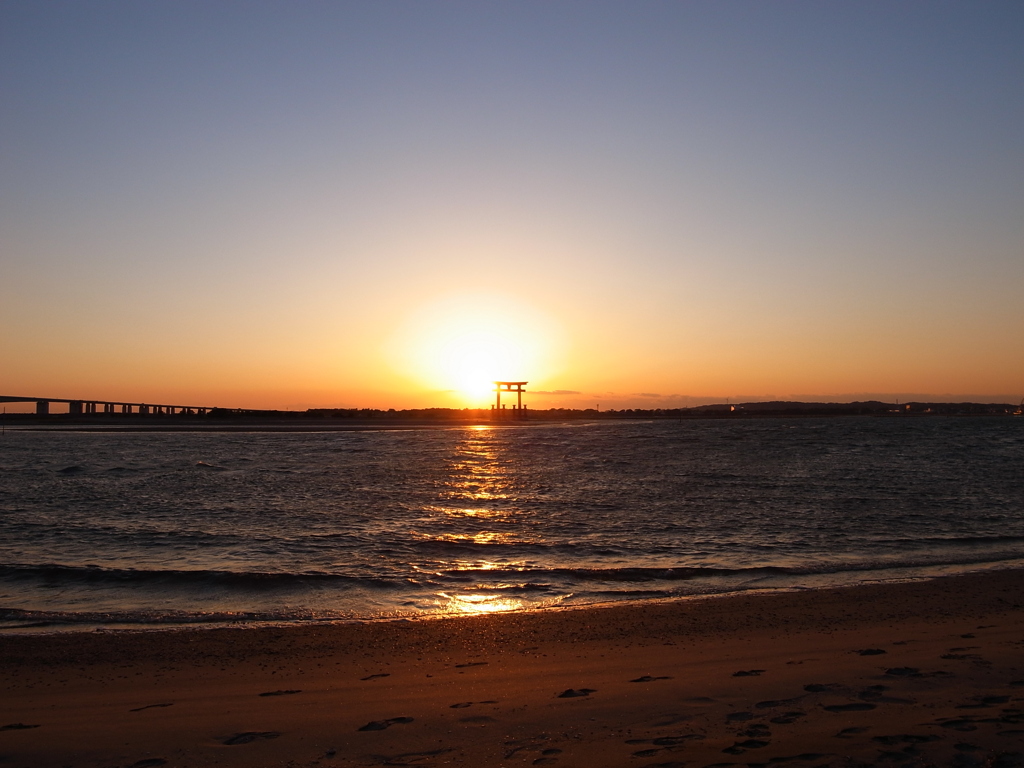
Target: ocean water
159	529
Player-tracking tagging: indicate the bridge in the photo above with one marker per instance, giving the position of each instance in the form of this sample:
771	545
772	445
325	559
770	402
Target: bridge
89	406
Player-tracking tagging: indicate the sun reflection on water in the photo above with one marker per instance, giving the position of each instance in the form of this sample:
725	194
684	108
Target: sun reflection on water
481	537
481	489
480	604
452	514
477	472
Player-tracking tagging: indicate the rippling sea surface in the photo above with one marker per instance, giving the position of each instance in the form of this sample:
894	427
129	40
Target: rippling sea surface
140	529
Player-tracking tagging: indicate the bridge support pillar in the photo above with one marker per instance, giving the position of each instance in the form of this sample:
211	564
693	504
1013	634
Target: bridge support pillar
75	407
43	408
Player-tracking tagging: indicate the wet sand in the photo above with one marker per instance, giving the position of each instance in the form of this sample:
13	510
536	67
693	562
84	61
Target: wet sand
924	673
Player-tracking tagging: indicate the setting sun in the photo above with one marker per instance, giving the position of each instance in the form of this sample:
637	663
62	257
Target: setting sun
464	344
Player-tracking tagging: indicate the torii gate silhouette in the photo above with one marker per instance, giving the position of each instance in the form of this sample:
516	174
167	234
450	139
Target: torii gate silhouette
518	410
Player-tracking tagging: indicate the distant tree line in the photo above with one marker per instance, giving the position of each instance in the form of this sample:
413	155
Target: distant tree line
454	415
716	411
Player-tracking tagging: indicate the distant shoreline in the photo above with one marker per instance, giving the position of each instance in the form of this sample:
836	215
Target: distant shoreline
352	419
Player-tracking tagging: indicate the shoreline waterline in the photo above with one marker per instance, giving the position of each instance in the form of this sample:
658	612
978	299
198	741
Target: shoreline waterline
32	625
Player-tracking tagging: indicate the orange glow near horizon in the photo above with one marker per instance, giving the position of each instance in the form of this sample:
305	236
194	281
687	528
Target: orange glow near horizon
464	344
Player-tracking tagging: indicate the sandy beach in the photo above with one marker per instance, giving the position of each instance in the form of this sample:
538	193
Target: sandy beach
922	673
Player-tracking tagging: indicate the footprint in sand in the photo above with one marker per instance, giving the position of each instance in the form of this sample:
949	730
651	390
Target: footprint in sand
788	718
965	724
248	737
742	746
870	652
770	704
646	752
822	687
650	679
151	706
962	657
464	704
380	725
668	741
904	738
748	673
477	720
527	745
804	757
149	762
471	664
572	693
374	677
848	732
903	672
281	693
16	727
983	702
876	694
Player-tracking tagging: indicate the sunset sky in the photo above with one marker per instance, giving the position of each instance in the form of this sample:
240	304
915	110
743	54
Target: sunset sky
388	204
